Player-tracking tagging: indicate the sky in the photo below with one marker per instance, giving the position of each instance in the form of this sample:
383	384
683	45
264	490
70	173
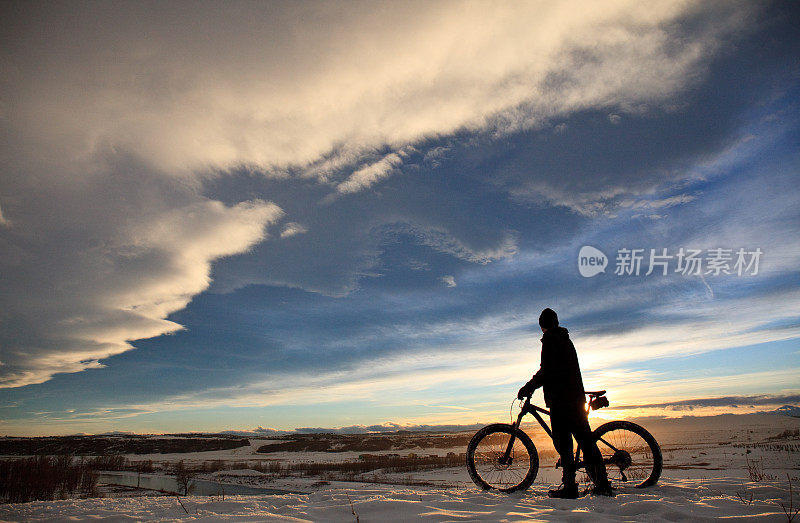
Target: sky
282	215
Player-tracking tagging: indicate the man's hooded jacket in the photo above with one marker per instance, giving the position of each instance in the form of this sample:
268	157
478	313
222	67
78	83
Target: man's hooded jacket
559	374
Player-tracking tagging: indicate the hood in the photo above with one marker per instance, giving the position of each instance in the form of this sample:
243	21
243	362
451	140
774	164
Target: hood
557	332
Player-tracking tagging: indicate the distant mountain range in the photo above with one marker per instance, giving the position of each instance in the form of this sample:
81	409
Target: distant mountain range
787	410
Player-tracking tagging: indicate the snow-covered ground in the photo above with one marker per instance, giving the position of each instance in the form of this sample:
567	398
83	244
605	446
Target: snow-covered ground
736	467
671	500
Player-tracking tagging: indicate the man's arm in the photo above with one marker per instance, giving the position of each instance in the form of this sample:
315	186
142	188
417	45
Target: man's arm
538	379
541	375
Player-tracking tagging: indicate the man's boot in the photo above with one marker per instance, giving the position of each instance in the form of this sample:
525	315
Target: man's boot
603	490
568	490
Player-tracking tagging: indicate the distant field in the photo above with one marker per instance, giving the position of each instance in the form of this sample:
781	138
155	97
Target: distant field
365	442
127	444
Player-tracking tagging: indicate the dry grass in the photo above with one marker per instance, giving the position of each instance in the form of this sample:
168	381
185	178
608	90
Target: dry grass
790	512
755	469
350	469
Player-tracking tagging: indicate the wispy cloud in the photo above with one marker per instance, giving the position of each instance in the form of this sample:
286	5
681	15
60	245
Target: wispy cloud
721	401
370	174
449	280
292	229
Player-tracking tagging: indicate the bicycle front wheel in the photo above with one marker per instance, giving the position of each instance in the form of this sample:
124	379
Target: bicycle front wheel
631	454
490	467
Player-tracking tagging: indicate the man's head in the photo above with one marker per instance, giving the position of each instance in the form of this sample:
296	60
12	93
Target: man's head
548	319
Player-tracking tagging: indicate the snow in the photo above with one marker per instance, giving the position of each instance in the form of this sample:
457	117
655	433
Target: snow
671	500
708	474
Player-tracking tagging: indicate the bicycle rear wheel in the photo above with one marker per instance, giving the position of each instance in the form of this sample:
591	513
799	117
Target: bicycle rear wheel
631	454
485	459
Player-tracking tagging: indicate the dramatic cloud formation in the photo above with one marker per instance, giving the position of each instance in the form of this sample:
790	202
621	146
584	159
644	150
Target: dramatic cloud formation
90	265
360	196
280	85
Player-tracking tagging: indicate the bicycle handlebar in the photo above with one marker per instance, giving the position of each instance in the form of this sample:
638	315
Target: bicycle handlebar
597	400
591	394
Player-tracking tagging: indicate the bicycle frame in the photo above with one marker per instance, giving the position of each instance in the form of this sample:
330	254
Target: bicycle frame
534	410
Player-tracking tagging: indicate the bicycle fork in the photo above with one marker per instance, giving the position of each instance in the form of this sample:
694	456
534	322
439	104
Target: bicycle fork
527	408
506	458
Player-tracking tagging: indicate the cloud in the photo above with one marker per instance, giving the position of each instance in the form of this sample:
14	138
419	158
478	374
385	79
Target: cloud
448	280
92	266
370	174
435	156
608	201
292	229
444	241
287	86
722	401
659	203
650	216
489	352
257	432
714	393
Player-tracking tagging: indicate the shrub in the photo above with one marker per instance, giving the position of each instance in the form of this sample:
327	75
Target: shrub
184	476
755	469
45	478
143	466
108	462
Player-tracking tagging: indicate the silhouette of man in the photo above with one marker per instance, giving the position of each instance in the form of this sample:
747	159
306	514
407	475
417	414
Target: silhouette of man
560	376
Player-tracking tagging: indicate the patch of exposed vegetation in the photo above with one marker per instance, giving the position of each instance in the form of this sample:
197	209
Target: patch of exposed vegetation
786	434
45	478
343	470
99	445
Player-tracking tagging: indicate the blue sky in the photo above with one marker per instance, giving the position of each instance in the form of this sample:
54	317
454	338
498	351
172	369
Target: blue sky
293	215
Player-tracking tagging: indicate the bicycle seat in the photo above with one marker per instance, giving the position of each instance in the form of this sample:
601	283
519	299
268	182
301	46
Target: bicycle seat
596	393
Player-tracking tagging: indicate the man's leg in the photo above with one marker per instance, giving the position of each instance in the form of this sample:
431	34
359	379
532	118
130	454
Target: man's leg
592	455
562	440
